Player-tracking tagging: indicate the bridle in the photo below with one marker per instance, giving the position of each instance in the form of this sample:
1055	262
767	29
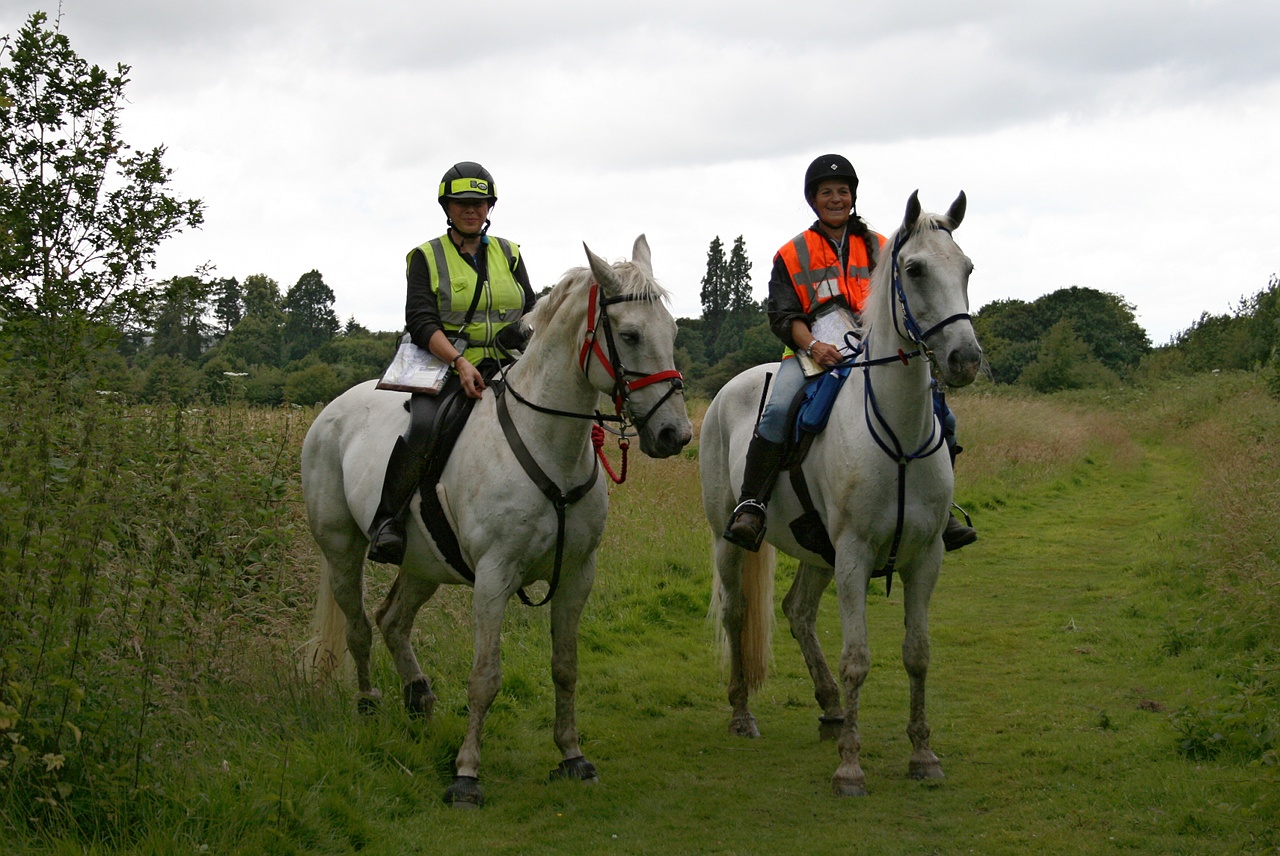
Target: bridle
621	394
908	328
618	373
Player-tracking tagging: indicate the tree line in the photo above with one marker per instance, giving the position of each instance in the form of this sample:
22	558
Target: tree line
82	213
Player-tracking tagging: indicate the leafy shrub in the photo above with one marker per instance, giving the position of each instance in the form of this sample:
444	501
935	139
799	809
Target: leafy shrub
140	552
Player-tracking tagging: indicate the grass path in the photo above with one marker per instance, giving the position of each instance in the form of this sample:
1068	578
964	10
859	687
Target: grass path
1051	692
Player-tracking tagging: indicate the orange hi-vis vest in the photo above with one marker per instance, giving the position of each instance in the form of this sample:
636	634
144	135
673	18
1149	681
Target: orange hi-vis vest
816	273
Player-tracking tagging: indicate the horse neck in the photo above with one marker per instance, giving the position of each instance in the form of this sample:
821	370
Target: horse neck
548	376
901	391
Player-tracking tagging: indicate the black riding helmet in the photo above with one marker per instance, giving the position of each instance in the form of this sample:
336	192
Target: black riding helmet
829	166
467	180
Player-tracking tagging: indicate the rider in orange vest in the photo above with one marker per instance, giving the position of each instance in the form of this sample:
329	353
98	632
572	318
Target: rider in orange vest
829	263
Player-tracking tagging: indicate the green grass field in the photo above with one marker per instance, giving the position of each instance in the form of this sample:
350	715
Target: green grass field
1102	679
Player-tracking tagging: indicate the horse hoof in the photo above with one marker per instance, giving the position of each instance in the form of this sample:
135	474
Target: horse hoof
464	793
829	727
367	704
744	726
848	788
576	768
418	698
924	770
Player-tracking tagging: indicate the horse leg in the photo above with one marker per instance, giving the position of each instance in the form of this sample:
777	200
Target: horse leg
395	619
566	611
917	589
733	608
489	602
345	570
801	608
855	663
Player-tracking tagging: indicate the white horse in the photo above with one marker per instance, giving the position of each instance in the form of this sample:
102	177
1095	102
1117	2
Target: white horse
526	500
880	439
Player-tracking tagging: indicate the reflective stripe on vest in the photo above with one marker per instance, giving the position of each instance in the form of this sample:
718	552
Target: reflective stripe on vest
454	282
815	273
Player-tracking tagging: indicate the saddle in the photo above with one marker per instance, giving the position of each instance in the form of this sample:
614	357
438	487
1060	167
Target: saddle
806	419
453	409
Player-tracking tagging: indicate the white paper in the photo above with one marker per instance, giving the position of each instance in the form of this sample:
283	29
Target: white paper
414	370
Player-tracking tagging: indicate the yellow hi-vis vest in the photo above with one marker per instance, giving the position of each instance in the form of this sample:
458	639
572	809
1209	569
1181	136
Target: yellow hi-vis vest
455	282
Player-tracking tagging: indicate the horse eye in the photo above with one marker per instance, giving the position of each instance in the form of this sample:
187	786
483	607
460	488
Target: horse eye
915	267
631	337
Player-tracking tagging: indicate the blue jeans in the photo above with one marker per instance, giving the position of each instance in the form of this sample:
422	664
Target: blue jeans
788	381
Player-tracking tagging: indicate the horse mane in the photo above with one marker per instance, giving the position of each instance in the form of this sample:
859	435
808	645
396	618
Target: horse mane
634	280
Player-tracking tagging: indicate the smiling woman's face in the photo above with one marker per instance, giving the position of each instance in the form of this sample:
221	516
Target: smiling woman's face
833	202
468	215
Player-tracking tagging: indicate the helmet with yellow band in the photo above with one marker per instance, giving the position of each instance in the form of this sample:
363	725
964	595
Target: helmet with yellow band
467	180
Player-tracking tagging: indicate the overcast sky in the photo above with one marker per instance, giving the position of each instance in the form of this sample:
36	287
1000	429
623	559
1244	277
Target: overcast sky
1126	145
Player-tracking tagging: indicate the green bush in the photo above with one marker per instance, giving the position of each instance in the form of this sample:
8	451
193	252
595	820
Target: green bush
140	553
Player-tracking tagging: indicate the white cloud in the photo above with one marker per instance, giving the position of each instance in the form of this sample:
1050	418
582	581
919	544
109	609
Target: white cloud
1125	147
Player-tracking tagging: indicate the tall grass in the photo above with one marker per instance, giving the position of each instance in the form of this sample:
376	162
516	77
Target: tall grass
147	562
157	572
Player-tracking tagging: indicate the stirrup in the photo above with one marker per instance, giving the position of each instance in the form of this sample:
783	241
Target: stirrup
957	534
747	525
387	544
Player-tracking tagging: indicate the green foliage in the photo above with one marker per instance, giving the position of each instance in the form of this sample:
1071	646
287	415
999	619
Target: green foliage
140	554
179	328
1012	331
715	290
310	319
171	380
316	383
1247	338
1093	581
81	214
1064	361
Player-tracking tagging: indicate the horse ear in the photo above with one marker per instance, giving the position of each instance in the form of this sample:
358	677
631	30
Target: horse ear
601	271
640	256
956	212
913	212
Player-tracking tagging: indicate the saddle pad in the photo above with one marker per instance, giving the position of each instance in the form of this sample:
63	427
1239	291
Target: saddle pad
819	397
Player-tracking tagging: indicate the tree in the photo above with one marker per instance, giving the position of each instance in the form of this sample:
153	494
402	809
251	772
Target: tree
228	305
180	328
714	294
81	213
262	299
1064	361
738	280
310	319
1012	331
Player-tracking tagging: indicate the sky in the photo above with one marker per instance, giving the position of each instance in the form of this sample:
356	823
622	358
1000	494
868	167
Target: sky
1129	146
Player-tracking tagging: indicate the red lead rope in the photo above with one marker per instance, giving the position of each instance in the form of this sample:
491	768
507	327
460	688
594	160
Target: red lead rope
597	440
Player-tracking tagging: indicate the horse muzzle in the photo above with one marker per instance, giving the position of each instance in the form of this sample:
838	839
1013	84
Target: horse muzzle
960	365
663	438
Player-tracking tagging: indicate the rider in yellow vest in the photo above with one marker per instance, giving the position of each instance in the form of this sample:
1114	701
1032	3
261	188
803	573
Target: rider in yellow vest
464	289
829	262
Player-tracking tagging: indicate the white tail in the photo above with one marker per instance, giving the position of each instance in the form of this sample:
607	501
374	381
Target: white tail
757	626
326	650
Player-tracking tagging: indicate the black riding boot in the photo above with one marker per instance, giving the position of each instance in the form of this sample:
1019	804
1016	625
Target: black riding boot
957	534
747	523
386	533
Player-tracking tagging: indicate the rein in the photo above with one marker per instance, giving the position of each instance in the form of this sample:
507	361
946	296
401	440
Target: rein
560	499
621	394
909	328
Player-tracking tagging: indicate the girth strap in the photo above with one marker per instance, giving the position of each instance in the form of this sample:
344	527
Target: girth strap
559	499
